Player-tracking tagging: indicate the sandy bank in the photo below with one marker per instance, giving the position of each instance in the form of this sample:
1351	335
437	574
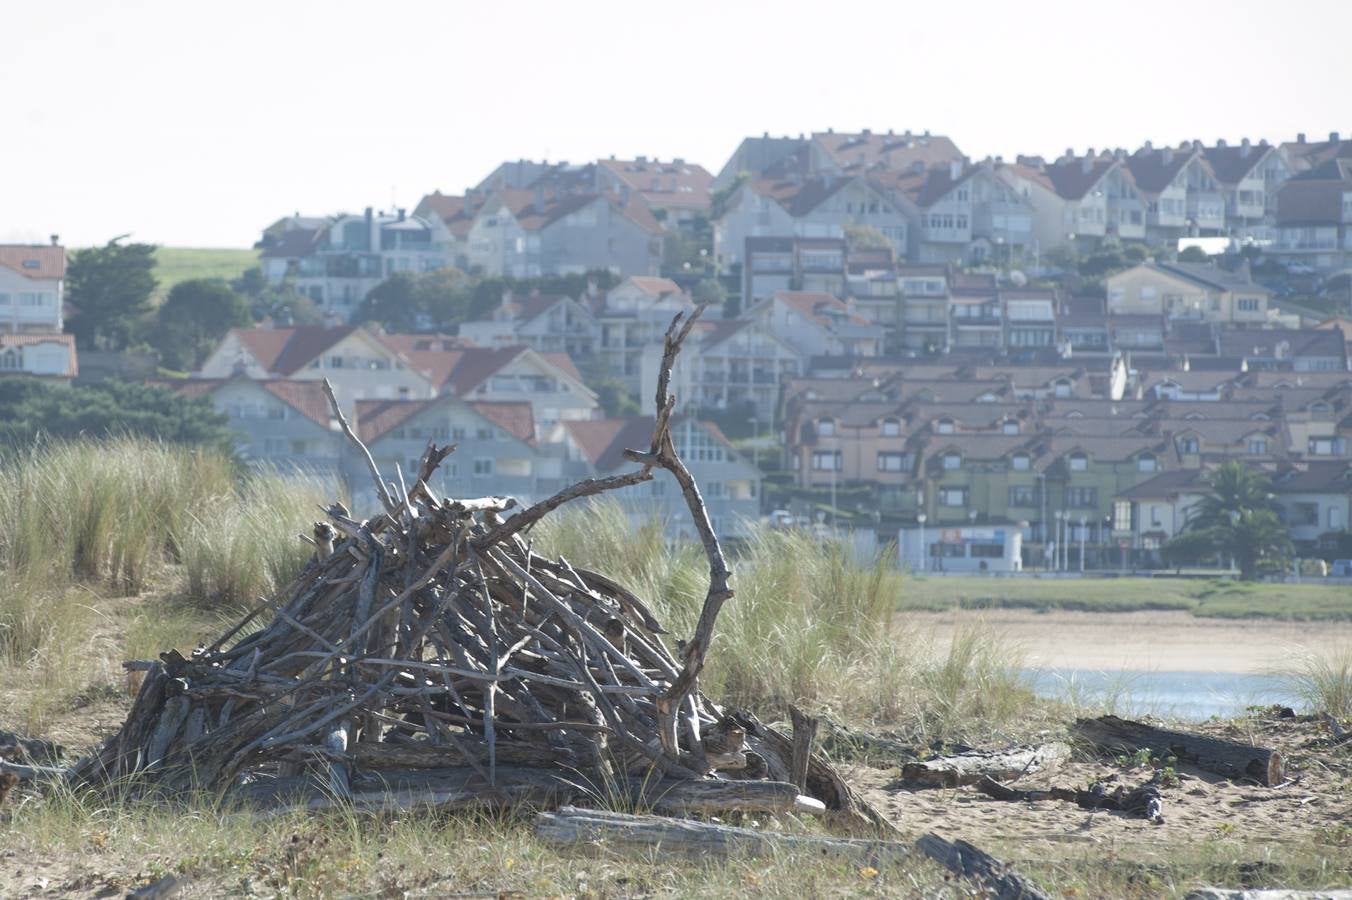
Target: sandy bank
1150	641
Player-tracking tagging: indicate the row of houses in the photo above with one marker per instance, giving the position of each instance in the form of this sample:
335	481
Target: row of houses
1023	450
287	425
934	205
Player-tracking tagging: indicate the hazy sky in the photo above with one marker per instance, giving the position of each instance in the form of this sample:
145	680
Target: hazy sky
196	123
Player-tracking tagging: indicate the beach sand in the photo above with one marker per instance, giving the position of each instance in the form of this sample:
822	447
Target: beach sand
1144	641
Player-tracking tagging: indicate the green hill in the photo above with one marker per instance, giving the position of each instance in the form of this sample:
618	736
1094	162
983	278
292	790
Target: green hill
175	264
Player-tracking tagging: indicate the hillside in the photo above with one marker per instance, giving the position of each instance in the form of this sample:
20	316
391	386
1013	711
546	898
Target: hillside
175	264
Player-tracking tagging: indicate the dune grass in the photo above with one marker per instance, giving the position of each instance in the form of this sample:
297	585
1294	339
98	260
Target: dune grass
1322	681
810	624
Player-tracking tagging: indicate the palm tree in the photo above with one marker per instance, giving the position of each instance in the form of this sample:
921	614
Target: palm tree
1240	519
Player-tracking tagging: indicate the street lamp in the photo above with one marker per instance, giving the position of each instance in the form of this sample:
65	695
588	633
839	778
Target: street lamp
1056	547
755	439
1082	531
924	551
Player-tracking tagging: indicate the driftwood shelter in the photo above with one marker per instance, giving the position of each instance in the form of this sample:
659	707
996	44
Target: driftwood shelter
428	657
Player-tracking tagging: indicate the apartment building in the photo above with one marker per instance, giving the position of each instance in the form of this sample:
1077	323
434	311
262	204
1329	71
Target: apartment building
549	323
1191	291
337	263
1314	217
961	213
787	263
1079	200
1249	176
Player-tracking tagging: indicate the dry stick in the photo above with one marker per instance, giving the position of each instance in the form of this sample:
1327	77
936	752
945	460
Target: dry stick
587	488
385	499
662	453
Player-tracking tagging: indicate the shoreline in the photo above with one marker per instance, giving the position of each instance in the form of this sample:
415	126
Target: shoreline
1147	640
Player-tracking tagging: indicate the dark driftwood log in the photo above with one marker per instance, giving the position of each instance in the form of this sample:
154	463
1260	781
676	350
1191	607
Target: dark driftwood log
998	879
969	768
19	749
804	735
573	826
1229	758
1144	801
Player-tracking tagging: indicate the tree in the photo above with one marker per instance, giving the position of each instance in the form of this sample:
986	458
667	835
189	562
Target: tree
1193	255
611	393
866	237
1239	519
1135	253
110	288
30	408
194	318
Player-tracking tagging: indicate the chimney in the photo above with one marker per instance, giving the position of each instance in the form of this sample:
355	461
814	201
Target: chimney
1333	137
954	169
402	214
56	240
678	161
1244	148
470	198
830	130
641	159
1300	137
1220	142
1087	164
1168	155
372	231
1147	146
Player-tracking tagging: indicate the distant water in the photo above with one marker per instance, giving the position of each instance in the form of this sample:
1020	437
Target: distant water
1183	695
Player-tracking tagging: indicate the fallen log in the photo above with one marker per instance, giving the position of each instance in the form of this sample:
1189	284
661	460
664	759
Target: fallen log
161	887
1144	801
971	767
572	826
1002	882
1267	893
17	748
1229	758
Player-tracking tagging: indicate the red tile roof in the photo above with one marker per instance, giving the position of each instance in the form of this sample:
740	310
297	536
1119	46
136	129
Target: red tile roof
295	243
663	184
814	305
895	151
33	340
377	418
513	417
286	351
449	209
305	397
34	260
533	217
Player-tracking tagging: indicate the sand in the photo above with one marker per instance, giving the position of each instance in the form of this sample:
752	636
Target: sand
1145	641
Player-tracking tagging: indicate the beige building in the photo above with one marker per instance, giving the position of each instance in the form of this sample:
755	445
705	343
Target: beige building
1188	291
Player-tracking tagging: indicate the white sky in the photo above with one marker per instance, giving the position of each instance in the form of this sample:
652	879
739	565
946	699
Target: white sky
197	123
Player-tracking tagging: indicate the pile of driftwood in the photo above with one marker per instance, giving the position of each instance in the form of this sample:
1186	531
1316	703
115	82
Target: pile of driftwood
428	657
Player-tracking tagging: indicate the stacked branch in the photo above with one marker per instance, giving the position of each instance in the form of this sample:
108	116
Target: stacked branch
428	654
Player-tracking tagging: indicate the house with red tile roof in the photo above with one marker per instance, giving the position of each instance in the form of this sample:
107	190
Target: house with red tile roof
32	288
1079	200
676	191
546	322
1314	217
961	212
497	451
729	483
280	423
1249	176
42	355
817	324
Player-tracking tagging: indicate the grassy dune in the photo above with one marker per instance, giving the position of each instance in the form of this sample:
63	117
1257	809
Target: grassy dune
121	549
175	264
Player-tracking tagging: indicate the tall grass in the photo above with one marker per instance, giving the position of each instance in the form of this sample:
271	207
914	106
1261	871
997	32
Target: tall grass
125	515
810	624
1322	681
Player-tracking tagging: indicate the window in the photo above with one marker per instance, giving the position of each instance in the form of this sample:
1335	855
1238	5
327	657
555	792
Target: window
891	461
713	488
1258	446
826	460
1082	497
1247	304
952	496
10	360
1187	444
1079	462
335	362
1335	518
1323	446
1122	516
1022	495
1009	426
1146	462
891	428
1062	389
987	551
944	426
1148	292
483	434
1020	462
952	461
483	466
826	426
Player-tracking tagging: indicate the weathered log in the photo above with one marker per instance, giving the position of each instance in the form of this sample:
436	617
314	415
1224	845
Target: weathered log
572	826
17	748
971	767
1267	893
1144	801
1229	758
31	773
999	880
804	734
161	887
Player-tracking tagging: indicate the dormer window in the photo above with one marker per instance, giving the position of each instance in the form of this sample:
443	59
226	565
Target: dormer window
1078	462
1061	388
826	426
1020	462
952	460
1188	444
1009	426
943	426
891	428
1258	446
1146	463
